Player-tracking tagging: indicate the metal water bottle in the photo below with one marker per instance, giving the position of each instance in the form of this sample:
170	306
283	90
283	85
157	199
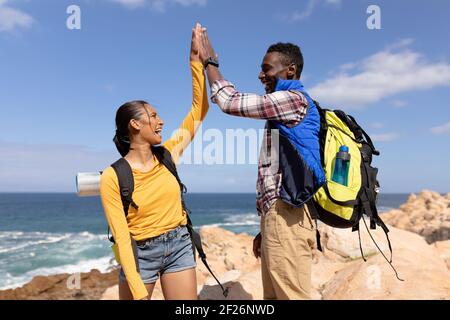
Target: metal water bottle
341	166
88	184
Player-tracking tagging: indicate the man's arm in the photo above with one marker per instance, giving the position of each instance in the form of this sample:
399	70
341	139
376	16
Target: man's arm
287	107
213	74
284	106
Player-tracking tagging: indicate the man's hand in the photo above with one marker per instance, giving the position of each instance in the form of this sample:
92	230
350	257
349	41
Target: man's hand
257	245
207	50
195	43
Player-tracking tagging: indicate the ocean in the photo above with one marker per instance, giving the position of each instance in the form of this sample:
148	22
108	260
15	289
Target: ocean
44	234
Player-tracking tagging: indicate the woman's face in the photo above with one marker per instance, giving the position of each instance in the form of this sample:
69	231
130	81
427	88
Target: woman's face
150	126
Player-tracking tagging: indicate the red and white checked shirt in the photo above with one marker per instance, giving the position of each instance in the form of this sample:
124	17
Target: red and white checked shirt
285	106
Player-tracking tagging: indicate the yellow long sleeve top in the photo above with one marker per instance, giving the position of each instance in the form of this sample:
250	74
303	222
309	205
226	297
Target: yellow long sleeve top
156	192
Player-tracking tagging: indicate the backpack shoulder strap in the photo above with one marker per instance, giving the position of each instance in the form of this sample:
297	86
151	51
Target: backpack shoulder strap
356	129
374	151
126	183
163	155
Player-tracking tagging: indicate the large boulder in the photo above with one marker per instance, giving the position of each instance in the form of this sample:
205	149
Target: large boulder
427	214
424	272
246	286
83	286
443	250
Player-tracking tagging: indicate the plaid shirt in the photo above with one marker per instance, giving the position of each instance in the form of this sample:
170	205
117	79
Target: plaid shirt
284	106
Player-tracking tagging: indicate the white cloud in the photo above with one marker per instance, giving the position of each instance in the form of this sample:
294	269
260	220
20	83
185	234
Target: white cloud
384	137
402	43
159	5
376	125
334	2
381	75
445	128
308	10
12	19
399	103
131	3
305	13
187	3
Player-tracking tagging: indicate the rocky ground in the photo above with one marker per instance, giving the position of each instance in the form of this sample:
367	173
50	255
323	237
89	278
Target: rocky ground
419	233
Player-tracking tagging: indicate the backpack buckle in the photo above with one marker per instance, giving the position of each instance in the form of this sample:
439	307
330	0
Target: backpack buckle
125	192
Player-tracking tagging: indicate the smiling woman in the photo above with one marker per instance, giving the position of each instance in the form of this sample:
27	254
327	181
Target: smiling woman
137	121
156	220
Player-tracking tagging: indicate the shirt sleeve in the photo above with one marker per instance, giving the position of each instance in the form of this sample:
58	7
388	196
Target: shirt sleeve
284	106
112	205
181	138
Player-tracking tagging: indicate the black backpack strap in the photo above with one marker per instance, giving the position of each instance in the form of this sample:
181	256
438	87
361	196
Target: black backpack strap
197	241
315	216
163	155
126	186
369	141
126	183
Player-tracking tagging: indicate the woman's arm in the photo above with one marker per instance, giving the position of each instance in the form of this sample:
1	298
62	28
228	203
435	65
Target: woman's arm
181	138
112	205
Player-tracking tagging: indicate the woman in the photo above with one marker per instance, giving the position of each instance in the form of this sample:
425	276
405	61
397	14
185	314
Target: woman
164	248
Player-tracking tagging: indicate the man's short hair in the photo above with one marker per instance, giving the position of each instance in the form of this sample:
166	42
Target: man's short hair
290	53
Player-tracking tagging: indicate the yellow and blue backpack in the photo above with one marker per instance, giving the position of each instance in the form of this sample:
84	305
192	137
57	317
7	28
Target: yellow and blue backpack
307	154
343	206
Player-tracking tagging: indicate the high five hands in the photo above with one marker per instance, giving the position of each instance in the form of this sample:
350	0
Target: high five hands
203	51
201	48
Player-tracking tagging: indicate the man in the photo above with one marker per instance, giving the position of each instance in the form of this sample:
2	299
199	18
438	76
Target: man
289	174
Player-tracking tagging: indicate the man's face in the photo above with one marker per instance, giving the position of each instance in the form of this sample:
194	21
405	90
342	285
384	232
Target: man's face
271	69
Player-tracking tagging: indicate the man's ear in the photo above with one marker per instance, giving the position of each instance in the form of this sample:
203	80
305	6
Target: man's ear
291	71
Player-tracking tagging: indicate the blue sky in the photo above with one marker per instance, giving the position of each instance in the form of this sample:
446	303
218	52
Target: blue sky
60	88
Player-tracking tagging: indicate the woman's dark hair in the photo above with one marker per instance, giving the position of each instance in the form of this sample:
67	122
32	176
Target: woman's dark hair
126	112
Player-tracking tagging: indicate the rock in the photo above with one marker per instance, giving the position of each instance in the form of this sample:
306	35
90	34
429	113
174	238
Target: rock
64	287
241	287
376	280
345	243
227	251
427	214
325	267
111	293
443	250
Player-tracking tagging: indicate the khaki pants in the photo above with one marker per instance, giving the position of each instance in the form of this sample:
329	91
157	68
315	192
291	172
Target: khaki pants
288	237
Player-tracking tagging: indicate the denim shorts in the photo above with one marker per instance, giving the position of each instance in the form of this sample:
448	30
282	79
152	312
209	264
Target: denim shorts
166	253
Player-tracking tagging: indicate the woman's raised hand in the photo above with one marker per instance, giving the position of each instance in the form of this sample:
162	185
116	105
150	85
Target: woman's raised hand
195	43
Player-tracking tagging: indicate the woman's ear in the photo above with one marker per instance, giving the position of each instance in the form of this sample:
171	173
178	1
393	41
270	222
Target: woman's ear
134	124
